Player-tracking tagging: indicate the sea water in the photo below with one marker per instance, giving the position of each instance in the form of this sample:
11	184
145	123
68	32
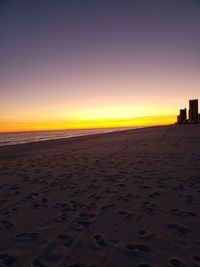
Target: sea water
28	137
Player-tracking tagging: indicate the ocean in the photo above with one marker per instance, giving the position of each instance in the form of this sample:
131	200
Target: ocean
28	137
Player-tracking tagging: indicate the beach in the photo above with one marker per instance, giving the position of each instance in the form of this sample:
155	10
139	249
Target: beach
119	199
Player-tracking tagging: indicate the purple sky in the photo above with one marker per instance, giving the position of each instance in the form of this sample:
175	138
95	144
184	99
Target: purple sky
69	57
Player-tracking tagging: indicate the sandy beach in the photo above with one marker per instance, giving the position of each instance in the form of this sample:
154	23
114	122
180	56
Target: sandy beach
119	199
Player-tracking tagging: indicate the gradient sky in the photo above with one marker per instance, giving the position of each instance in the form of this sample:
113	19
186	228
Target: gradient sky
92	63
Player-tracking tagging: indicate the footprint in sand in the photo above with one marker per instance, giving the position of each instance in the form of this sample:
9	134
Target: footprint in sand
7	259
109	206
2	201
151	207
7	224
136	249
66	240
99	241
59	218
188	199
155	195
77	227
176	262
15	208
145	234
60	205
26	236
124	198
181	229
83	220
125	213
37	263
182	213
196	260
86	216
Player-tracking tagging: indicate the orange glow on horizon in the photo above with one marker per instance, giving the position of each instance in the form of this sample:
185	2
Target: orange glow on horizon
88	114
87	124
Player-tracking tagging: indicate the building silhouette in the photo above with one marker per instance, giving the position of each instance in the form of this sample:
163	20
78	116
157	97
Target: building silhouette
193	114
182	117
193	111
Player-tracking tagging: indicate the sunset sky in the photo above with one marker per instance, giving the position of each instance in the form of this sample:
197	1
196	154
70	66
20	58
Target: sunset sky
97	63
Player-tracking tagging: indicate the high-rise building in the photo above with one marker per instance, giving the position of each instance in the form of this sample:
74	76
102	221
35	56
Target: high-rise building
193	111
182	117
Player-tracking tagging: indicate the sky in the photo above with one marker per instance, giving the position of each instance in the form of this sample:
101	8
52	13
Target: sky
97	63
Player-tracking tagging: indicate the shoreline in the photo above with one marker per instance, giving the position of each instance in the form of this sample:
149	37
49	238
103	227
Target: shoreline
109	130
79	136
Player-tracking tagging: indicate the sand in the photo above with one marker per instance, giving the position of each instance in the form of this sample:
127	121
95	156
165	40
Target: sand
119	199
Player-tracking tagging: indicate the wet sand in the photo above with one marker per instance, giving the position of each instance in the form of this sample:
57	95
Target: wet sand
119	199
